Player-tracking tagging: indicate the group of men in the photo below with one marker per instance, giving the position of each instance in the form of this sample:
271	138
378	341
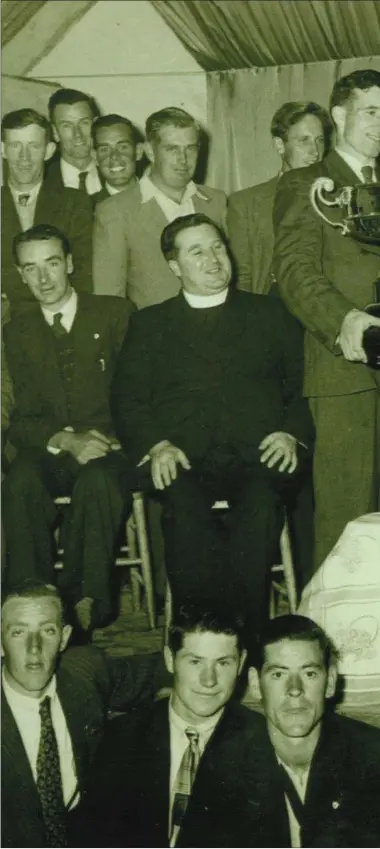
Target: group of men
197	769
202	393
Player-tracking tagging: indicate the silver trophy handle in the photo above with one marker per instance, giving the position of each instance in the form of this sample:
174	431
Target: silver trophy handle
325	184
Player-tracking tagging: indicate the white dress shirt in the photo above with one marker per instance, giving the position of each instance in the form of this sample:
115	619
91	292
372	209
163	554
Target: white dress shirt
26	212
357	166
201	302
179	743
170	208
68	312
70	176
25	712
299	780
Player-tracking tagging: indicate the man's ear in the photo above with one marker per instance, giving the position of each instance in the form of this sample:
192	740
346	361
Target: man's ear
242	661
50	149
55	134
69	264
173	265
338	114
168	659
139	151
332	677
279	145
254	684
4	155
66	634
149	152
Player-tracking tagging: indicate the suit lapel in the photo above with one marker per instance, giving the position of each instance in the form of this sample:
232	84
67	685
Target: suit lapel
15	764
153	219
75	722
339	171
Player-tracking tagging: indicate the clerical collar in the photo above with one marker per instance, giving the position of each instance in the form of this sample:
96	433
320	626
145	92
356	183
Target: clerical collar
201	302
355	164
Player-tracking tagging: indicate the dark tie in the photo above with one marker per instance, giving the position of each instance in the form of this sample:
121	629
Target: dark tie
184	781
82	181
49	783
292	796
57	326
367	173
23	199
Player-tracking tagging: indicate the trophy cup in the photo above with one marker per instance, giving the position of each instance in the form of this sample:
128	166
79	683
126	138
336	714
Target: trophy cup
360	207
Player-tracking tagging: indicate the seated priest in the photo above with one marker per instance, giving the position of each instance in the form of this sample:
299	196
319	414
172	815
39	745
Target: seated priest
207	400
61	357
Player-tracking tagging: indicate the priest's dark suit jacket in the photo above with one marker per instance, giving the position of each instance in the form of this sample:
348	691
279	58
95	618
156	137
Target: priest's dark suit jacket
88	685
233	385
41	407
133	783
251	237
66	209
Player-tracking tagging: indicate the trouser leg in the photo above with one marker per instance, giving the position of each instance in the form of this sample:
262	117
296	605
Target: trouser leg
101	499
193	544
29	514
299	503
346	480
256	518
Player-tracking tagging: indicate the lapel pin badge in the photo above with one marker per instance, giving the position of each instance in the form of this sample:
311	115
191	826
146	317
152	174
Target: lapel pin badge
102	363
335	805
96	335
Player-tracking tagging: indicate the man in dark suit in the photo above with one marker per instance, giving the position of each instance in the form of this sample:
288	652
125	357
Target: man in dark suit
299	131
207	400
118	149
142	786
127	229
61	358
327	281
28	199
72	114
311	778
81	685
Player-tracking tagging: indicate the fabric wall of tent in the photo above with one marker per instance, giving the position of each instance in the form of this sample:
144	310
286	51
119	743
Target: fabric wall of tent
229	62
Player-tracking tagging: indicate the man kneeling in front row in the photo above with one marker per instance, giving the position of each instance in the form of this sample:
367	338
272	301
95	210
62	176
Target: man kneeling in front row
61	356
208	395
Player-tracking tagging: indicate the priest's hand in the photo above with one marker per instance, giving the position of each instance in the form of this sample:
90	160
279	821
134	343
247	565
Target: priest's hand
165	457
279	447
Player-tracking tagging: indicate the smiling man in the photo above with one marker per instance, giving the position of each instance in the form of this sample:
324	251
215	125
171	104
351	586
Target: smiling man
118	150
207	402
54	710
71	114
327	281
61	356
127	229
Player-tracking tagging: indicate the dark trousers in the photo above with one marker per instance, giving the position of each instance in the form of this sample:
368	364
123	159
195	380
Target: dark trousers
231	561
100	499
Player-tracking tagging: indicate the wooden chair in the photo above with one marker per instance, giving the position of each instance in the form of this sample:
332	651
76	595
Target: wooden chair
134	553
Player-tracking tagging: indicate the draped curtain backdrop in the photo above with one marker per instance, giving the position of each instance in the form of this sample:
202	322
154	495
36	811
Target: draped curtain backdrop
260	53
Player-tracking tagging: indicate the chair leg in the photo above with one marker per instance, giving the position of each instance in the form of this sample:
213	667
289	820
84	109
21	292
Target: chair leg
146	566
287	561
168	612
132	551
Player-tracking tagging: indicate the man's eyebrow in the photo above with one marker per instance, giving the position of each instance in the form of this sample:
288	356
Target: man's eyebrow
312	665
19	623
46	259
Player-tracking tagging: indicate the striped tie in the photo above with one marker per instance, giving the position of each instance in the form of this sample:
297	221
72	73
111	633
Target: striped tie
184	782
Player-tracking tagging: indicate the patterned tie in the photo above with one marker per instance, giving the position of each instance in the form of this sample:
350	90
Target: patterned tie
184	781
23	199
57	326
49	784
367	173
82	181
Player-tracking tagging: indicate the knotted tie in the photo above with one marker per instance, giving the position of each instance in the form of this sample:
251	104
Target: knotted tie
23	199
82	181
57	327
49	784
184	781
367	173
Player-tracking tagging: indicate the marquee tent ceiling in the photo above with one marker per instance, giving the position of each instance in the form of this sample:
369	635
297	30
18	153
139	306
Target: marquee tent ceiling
220	34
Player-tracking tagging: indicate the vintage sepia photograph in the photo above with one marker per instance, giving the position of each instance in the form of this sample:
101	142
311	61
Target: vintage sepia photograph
190	423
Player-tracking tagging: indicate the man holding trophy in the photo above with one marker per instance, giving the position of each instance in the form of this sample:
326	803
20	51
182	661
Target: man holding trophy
327	264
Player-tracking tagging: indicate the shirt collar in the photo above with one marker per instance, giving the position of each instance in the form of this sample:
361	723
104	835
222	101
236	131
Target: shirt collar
111	189
68	310
31	192
202	728
71	171
201	302
149	190
27	703
353	163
